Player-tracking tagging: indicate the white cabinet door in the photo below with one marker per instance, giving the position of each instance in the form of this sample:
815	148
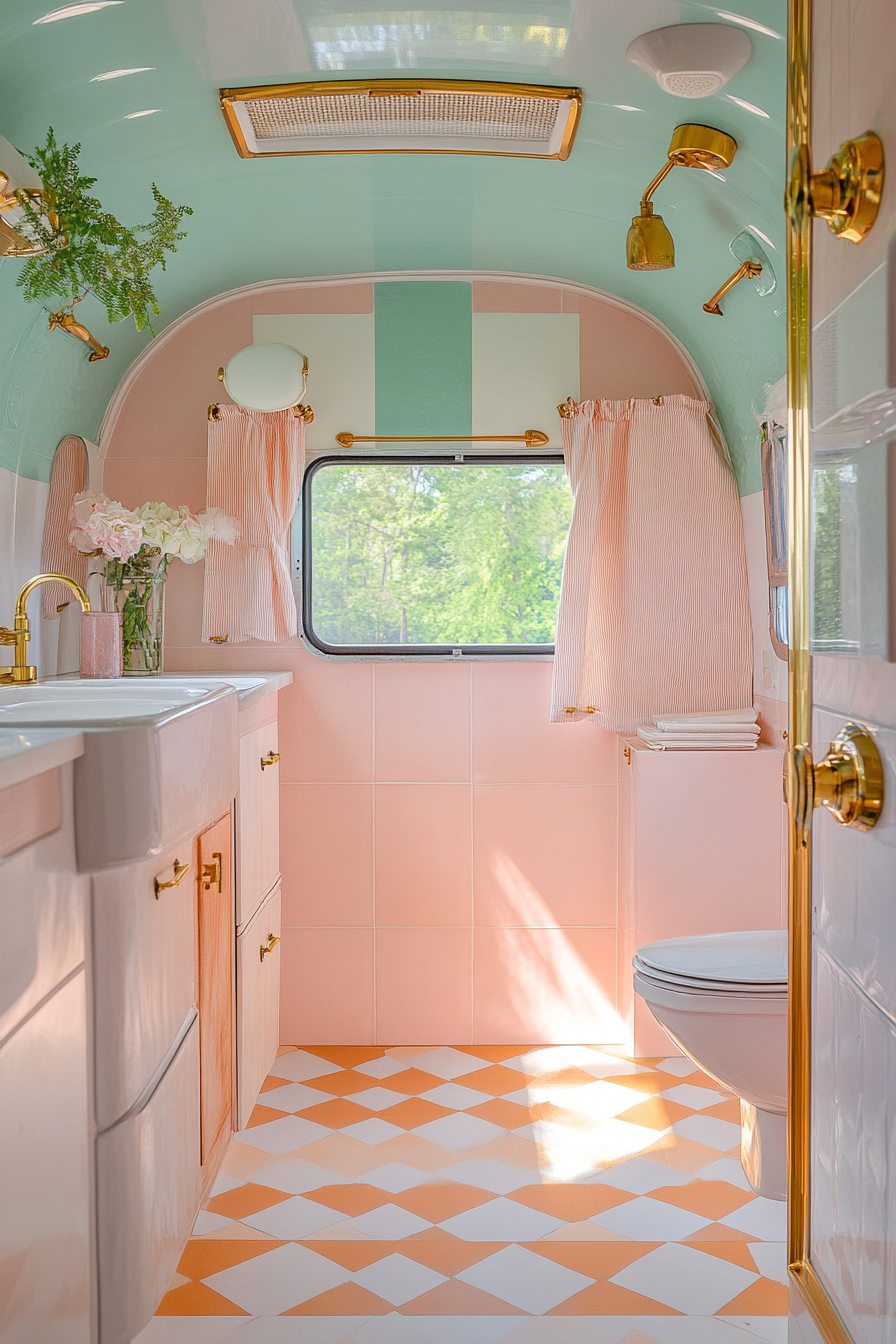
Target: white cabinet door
147	1181
258	1003
258	819
44	1198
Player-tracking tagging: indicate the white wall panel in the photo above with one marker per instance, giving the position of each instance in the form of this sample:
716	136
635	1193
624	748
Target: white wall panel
524	365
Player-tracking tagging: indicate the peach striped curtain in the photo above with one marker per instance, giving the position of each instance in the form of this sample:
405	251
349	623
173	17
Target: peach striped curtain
654	612
255	462
57	555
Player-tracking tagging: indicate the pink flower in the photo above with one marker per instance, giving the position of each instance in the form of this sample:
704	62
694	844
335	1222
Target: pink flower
105	525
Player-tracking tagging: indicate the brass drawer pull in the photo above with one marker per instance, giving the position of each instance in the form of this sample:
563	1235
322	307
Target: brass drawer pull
212	873
272	942
178	869
271	759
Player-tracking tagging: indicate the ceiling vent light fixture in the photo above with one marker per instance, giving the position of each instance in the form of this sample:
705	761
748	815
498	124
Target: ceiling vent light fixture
691	60
449	116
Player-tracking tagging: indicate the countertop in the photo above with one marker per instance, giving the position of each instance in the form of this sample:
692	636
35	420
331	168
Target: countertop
248	694
26	752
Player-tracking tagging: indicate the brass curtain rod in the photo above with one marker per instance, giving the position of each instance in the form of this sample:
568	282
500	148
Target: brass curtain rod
532	438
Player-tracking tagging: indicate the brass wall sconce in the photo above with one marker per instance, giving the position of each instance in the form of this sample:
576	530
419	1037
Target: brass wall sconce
66	322
754	265
649	245
846	193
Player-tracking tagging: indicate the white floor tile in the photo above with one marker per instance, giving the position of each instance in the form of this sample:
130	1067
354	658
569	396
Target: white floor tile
605	1066
187	1330
378	1098
457	1097
396	1177
772	1329
398	1279
395	1329
272	1283
372	1131
646	1219
295	1176
501	1220
595	1101
522	1096
693	1330
209	1222
688	1280
570	1330
389	1223
297	1329
298	1066
763	1218
524	1279
729	1169
292	1219
639	1176
448	1063
486	1173
555	1058
697	1098
680	1065
293	1097
459	1131
279	1137
707	1129
771	1259
384	1067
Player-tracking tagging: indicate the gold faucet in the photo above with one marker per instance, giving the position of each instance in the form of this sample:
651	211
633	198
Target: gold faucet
20	672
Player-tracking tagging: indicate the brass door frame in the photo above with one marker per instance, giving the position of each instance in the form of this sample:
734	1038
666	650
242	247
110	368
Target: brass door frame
799	765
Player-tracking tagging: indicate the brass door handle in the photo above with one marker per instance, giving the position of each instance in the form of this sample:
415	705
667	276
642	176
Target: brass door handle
178	870
212	873
272	942
271	759
849	781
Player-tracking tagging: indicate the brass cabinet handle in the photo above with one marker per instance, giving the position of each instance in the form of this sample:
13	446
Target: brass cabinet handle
212	873
178	869
272	942
271	759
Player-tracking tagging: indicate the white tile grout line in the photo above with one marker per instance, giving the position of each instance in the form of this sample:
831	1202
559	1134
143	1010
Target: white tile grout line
472	883
373	837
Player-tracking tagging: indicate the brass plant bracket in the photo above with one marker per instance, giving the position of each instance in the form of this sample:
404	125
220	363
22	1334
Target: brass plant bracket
846	193
749	270
849	781
272	942
66	322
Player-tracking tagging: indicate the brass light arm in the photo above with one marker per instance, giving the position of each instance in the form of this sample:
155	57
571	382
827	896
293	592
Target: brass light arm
646	206
748	270
20	635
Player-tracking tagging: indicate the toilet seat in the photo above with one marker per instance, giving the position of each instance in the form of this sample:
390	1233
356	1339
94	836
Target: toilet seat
749	964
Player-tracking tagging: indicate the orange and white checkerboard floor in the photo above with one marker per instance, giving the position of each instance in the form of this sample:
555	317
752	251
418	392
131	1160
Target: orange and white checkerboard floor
552	1195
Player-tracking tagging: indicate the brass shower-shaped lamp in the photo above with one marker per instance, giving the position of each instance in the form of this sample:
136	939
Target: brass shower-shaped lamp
649	245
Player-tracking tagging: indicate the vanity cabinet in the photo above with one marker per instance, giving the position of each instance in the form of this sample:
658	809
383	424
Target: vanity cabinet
258	818
214	876
258	1003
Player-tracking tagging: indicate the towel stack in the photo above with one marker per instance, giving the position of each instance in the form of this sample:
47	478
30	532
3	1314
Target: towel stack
730	730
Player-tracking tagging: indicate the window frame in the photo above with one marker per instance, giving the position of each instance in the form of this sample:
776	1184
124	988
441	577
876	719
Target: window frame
401	652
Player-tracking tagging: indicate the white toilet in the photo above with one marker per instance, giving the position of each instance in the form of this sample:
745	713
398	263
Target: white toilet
722	999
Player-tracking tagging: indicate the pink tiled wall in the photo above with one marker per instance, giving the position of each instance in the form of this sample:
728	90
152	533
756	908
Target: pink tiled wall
449	857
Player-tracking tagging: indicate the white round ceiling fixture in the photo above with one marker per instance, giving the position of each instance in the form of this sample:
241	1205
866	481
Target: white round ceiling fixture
691	60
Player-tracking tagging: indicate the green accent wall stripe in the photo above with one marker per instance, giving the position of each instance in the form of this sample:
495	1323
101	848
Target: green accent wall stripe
424	357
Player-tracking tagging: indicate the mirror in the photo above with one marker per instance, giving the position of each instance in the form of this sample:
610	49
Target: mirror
269	377
774	491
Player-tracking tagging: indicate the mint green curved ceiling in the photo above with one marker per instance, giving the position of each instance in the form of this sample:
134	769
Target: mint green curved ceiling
264	219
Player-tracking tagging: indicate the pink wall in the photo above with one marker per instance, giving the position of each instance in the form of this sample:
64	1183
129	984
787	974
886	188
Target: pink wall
449	857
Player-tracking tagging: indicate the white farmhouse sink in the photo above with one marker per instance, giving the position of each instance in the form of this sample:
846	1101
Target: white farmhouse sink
100	704
160	758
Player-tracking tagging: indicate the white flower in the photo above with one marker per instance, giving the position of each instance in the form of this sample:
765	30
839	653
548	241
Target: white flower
219	526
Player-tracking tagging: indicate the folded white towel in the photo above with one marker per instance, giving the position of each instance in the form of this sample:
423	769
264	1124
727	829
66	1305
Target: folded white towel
698	729
708	718
701	744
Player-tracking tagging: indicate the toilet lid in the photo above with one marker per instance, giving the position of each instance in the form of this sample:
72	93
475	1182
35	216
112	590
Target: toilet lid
691	985
750	959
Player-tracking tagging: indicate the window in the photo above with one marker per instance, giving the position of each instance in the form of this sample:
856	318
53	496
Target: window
433	555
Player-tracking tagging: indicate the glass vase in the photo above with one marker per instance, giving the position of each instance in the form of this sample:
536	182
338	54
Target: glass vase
135	588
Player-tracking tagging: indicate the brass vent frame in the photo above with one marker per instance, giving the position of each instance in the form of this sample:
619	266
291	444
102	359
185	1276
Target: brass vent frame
236	115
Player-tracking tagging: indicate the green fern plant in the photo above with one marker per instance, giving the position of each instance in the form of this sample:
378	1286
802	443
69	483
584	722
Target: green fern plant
89	251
